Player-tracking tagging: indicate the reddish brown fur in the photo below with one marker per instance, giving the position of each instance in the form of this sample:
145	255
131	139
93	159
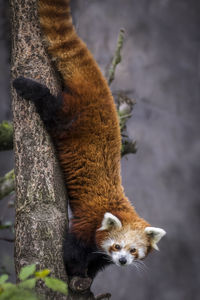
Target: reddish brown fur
89	147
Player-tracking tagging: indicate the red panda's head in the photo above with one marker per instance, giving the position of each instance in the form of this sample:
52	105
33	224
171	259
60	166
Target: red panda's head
128	243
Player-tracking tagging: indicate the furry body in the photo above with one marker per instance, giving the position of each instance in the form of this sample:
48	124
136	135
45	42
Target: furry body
84	126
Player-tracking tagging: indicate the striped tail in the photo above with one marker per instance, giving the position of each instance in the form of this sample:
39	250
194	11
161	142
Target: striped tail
72	58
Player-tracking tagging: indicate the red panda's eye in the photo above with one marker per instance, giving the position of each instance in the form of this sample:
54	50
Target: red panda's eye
133	251
117	247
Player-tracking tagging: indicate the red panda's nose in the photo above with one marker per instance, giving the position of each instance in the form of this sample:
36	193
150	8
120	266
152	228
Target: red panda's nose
123	260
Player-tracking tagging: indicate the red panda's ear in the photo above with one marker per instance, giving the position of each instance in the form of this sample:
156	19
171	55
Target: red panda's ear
110	221
155	235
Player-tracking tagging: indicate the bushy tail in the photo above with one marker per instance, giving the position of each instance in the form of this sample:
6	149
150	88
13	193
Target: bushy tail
71	55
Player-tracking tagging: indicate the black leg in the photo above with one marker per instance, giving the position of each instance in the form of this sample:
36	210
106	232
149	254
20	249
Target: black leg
75	257
81	260
46	104
96	263
30	89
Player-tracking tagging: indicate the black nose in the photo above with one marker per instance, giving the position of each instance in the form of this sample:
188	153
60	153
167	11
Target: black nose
123	260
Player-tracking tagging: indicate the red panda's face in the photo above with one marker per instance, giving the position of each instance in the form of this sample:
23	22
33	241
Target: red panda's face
126	245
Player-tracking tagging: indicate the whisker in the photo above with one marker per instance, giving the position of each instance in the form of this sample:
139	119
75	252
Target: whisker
99	252
135	266
146	268
104	254
140	266
108	259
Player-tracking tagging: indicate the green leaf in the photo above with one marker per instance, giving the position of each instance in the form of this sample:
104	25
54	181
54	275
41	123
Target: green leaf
9	289
27	271
6	225
56	285
3	278
28	284
18	294
42	274
7	285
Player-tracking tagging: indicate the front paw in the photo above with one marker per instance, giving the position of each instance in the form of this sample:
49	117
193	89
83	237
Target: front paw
30	89
79	284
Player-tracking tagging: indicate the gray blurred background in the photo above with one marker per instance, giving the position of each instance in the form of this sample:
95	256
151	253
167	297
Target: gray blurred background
160	70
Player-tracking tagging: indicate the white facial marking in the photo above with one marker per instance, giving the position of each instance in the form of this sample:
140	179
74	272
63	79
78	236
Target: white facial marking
123	244
141	253
122	257
107	244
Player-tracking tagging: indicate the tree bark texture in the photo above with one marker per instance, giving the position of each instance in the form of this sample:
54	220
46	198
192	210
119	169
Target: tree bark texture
41	214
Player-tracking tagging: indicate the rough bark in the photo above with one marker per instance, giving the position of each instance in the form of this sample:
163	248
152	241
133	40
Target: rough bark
41	212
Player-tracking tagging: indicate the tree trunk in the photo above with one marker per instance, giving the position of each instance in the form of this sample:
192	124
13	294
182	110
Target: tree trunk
41	212
41	202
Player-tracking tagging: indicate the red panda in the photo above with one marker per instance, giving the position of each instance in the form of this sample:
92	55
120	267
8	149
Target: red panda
84	126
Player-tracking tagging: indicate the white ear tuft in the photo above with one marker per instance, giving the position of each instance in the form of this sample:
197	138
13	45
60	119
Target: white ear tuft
155	234
110	221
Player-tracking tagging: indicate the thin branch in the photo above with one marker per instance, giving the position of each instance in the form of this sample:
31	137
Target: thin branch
124	103
117	57
128	146
6	225
6	136
10	240
7	184
125	107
